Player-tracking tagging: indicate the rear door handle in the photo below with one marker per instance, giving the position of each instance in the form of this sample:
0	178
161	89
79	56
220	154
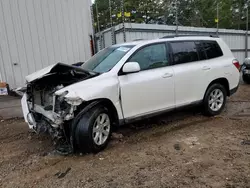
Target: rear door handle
167	75
206	68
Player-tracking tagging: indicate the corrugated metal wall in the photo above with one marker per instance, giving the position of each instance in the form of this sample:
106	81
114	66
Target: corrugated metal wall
234	38
38	33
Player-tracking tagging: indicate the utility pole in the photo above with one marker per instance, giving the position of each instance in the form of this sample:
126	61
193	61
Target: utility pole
110	11
246	47
123	21
176	18
217	31
98	26
111	23
93	27
97	17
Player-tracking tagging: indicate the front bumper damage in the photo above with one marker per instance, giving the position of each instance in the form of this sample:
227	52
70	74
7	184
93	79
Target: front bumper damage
55	120
42	120
28	117
48	107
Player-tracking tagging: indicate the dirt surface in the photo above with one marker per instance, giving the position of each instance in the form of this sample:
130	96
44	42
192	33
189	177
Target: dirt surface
181	149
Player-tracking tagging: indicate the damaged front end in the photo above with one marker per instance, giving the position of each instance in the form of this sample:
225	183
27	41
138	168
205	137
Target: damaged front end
45	108
47	111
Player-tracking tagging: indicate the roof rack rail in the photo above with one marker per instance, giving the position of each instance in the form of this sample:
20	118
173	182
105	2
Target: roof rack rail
173	36
138	39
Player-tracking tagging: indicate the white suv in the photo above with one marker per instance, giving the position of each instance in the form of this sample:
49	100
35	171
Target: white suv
127	82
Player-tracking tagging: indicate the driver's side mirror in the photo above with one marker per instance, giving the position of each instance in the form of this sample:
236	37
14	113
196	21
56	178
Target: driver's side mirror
131	67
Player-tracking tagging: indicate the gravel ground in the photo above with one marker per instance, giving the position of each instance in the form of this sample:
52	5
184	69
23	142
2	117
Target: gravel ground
181	149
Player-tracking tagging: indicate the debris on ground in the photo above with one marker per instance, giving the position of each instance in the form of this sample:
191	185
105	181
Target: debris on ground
62	174
177	147
64	149
117	136
245	142
191	141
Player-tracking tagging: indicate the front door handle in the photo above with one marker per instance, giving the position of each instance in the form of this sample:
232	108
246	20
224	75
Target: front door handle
167	75
206	68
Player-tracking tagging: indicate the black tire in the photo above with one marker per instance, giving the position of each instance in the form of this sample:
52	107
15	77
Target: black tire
206	107
246	79
83	134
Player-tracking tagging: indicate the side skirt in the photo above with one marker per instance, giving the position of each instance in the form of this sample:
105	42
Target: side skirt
160	112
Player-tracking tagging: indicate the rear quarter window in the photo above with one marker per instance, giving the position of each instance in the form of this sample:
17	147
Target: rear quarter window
211	49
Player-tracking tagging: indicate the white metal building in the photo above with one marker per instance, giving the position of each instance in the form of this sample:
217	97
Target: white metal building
38	33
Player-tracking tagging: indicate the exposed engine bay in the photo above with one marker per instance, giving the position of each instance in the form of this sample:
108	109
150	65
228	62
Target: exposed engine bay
49	112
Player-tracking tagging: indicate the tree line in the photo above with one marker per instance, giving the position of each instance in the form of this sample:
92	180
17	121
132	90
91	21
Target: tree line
197	13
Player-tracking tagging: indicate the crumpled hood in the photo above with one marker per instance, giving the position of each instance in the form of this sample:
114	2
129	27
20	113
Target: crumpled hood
92	88
59	67
39	74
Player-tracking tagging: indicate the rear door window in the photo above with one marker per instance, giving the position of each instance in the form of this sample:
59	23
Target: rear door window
201	51
212	49
184	52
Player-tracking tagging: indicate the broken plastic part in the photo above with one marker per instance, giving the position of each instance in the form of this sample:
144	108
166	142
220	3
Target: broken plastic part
48	114
74	101
62	95
70	115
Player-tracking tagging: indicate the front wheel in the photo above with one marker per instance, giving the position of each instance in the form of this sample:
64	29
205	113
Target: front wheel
214	100
93	130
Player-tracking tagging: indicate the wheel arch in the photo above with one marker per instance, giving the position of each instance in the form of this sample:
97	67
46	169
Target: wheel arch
223	81
101	101
80	134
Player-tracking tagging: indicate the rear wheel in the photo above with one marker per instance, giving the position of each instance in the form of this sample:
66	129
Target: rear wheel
214	100
93	130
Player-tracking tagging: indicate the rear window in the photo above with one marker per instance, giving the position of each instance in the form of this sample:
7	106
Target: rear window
184	52
190	51
212	49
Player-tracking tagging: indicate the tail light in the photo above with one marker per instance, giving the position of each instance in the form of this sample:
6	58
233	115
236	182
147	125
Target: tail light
236	64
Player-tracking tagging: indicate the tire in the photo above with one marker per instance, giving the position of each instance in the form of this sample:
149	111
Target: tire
214	100
87	130
246	79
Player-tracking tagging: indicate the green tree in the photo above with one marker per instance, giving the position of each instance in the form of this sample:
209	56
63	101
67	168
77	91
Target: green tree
197	13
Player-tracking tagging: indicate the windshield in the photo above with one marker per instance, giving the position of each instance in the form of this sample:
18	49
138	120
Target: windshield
106	59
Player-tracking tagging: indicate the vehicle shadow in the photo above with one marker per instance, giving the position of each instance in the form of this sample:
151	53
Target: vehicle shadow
164	120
